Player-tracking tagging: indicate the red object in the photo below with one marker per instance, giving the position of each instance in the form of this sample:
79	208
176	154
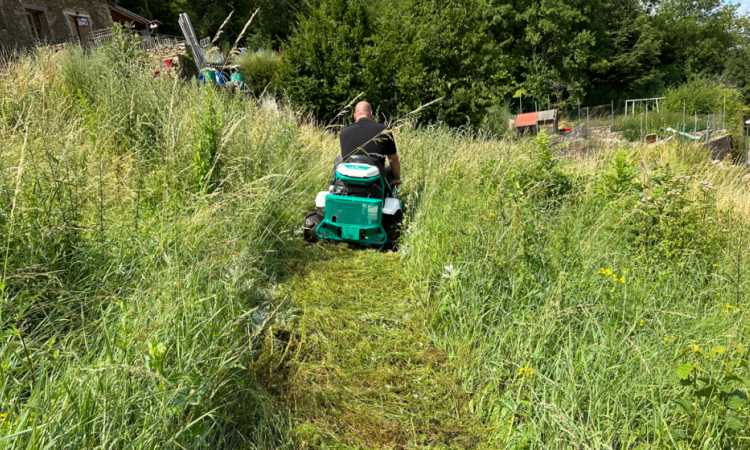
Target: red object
566	130
168	63
526	120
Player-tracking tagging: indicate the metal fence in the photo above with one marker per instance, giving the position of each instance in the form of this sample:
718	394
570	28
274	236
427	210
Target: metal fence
100	38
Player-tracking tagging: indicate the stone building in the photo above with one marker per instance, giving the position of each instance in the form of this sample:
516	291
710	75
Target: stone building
57	21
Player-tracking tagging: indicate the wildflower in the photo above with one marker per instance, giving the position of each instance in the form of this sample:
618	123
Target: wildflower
525	371
728	306
640	324
3	415
715	265
608	272
666	338
450	272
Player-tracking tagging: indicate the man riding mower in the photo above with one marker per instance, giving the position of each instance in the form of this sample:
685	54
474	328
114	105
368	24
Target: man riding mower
361	205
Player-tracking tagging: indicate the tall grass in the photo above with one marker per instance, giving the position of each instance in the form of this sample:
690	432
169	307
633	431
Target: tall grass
149	226
141	222
519	254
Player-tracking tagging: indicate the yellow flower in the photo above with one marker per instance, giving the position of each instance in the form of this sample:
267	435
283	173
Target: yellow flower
608	272
622	280
640	324
715	265
525	371
3	415
729	306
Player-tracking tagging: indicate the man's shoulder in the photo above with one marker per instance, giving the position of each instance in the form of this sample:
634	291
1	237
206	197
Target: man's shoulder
364	124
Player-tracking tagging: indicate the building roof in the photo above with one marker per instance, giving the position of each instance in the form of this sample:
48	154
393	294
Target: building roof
135	18
526	120
550	114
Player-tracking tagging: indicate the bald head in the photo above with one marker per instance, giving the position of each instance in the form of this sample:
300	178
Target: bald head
363	109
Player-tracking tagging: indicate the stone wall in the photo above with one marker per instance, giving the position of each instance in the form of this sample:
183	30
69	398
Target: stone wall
16	32
178	54
719	148
14	27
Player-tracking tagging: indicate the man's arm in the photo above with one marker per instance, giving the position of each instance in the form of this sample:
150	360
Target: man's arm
395	166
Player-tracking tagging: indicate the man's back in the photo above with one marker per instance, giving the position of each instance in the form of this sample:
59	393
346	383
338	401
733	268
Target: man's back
367	137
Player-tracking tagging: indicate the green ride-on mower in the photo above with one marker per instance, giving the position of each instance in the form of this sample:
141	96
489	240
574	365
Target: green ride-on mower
359	207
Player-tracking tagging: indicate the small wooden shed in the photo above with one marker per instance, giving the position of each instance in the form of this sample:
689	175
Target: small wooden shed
547	121
526	123
531	123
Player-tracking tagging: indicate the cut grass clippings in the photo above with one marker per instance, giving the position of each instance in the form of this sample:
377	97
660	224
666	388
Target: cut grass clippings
361	371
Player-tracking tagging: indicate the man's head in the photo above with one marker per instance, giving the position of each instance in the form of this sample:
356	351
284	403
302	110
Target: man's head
363	109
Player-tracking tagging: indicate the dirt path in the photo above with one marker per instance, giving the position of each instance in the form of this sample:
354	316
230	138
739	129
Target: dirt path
360	371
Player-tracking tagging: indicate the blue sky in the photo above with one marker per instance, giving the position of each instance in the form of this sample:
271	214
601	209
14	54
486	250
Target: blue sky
745	5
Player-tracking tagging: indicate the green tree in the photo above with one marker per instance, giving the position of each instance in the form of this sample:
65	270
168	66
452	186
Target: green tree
697	36
627	54
322	67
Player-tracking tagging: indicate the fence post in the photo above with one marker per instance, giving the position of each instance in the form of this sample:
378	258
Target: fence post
613	116
695	129
683	113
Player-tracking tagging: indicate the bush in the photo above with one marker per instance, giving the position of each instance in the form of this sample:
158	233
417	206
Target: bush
708	96
496	121
260	70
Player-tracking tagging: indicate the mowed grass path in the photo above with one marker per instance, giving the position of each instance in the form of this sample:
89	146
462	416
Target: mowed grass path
360	371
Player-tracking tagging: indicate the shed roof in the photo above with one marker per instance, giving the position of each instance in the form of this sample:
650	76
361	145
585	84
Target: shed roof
549	114
526	120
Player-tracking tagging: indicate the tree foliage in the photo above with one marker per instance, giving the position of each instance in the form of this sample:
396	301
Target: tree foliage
476	54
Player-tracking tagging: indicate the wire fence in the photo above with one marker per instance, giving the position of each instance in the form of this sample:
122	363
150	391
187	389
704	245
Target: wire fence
640	122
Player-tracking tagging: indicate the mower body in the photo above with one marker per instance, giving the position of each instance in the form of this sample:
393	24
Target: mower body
357	208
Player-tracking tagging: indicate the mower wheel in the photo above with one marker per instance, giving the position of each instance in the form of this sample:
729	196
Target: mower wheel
312	220
392	226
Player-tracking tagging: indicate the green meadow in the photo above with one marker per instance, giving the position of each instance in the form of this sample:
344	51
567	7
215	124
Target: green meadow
156	291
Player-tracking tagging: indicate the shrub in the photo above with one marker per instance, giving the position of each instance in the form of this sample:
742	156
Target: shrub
260	70
496	121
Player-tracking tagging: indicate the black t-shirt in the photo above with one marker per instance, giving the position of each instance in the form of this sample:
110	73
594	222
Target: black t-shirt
367	137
